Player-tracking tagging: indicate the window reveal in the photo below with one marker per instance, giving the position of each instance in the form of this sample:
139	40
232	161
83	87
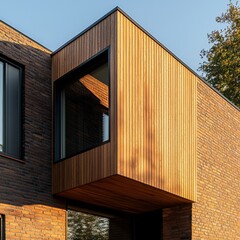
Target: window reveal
83	110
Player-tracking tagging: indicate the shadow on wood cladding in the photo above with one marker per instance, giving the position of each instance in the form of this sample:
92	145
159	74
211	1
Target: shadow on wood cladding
156	114
152	114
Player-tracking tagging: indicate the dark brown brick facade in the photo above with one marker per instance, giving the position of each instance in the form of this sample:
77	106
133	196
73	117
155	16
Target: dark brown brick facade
177	222
25	186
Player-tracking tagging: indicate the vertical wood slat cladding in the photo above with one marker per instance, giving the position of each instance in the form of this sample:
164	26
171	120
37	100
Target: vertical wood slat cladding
99	162
152	112
156	101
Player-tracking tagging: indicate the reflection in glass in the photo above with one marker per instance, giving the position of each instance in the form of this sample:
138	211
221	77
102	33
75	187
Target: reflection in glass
10	109
87	226
105	127
12	117
85	112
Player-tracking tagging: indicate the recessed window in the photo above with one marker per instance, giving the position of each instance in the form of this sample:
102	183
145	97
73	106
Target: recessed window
104	225
87	226
82	108
10	109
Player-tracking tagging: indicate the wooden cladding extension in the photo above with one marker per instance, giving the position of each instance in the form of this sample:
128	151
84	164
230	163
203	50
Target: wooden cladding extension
152	118
99	162
156	97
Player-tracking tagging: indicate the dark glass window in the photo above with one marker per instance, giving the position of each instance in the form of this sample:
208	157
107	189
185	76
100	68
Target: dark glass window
2	227
87	226
83	109
104	225
10	109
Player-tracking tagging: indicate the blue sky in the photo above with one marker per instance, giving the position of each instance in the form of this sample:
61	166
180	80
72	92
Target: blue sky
181	25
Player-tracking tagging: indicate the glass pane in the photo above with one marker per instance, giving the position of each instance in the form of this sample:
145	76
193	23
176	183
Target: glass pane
87	227
105	127
85	112
12	111
1	106
2	226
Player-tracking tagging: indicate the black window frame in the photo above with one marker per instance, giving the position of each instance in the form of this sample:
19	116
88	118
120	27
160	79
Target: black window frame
70	77
7	61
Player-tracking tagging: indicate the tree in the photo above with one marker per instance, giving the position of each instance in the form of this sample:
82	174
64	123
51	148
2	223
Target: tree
222	66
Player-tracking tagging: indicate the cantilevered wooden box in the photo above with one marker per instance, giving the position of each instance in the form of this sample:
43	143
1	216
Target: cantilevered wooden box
149	161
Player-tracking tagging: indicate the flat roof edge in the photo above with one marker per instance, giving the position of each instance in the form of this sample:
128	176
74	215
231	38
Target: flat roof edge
177	58
153	38
1	21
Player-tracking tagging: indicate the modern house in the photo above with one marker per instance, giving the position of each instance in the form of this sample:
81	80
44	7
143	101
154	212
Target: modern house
114	134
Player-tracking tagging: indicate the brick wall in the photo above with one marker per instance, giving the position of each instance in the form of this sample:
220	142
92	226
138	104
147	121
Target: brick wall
177	222
25	186
216	214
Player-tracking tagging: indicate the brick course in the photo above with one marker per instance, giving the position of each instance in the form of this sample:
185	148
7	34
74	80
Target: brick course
216	214
25	186
177	222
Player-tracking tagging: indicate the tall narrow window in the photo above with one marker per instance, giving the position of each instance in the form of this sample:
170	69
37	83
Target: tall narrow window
2	227
83	109
10	109
1	106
